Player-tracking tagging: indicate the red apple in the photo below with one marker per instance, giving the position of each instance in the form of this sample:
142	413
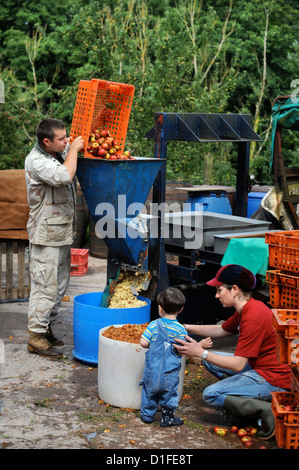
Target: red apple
248	443
234	429
242	433
253	431
112	151
245	439
216	428
101	152
105	146
104	133
288	408
113	157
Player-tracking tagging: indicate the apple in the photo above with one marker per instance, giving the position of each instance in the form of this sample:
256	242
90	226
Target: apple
288	408
127	153
248	443
113	157
105	146
104	133
253	431
101	152
234	429
242	432
216	429
95	145
123	157
112	151
245	439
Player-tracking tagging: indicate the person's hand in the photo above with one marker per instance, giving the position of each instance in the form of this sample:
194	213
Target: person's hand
78	143
206	343
188	348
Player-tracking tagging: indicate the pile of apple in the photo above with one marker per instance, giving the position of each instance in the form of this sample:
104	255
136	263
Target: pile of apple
102	145
245	434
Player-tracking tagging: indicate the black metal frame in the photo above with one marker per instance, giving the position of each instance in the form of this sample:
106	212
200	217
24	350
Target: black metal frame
201	128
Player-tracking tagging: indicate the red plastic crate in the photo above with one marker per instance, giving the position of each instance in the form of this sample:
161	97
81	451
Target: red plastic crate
286	422
283	290
79	261
104	105
284	250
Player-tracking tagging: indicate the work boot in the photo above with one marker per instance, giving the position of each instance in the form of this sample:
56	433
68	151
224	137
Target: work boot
52	338
38	343
243	407
168	419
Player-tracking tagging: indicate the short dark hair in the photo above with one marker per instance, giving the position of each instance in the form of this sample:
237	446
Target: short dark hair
46	129
171	300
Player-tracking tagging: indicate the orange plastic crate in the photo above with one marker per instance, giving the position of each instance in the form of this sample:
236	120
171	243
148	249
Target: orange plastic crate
281	319
79	261
284	250
104	105
287	350
286	422
295	383
283	290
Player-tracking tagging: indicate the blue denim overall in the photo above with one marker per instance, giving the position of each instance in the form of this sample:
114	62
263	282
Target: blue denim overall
160	376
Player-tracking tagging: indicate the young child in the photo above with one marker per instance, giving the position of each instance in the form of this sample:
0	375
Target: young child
162	362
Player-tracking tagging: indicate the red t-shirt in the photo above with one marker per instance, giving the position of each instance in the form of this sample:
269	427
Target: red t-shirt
257	342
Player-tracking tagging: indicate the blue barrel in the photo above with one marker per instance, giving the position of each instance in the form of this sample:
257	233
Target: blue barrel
254	201
214	201
89	319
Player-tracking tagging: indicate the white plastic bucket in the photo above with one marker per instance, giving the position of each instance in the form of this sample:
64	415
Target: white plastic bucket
120	369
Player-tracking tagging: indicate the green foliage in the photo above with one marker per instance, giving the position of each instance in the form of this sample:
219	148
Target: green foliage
181	56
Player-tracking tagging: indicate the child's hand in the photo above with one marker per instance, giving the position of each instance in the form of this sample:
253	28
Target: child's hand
206	343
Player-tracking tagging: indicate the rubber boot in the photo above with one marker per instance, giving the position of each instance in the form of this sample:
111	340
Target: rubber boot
168	419
243	407
39	344
52	338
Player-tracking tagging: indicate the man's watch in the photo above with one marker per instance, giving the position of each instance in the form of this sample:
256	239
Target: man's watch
204	354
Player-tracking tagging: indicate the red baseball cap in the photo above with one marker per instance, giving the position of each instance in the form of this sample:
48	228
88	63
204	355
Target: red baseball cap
234	274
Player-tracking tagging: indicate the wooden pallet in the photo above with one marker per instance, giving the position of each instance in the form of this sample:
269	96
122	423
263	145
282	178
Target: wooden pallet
15	279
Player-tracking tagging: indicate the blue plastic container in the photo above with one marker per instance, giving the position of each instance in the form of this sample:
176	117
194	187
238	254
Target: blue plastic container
254	201
89	319
211	202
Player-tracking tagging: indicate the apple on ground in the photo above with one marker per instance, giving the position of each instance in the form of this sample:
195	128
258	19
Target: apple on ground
248	443
234	429
245	439
242	432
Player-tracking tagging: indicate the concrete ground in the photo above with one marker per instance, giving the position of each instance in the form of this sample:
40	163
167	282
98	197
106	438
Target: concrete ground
48	404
